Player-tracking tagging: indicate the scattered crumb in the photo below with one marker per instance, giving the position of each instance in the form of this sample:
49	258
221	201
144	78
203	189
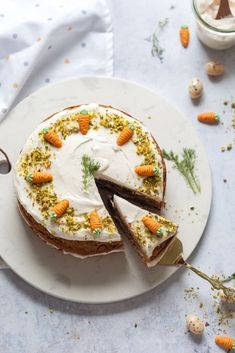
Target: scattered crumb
229	147
200	305
26	312
226	102
222	149
192	208
191	293
233	105
135	325
172	7
225	180
149	117
207	324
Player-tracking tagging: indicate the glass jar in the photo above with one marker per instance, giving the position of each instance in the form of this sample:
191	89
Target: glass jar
216	34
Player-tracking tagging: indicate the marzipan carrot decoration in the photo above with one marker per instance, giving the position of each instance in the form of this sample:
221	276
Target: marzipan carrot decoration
39	177
52	137
208	118
147	170
153	226
59	209
125	135
95	223
225	342
84	122
184	36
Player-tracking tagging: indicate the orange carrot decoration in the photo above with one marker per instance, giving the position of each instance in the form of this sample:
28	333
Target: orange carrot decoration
153	226
225	342
208	118
51	137
59	209
39	177
147	170
184	36
84	122
95	223
125	135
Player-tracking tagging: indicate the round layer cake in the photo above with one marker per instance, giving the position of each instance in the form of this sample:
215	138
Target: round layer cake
64	162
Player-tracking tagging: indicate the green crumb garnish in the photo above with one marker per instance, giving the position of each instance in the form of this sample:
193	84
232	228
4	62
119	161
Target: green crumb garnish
131	126
161	231
89	167
29	177
84	112
108	224
34	160
66	126
186	166
97	232
52	215
45	130
156	171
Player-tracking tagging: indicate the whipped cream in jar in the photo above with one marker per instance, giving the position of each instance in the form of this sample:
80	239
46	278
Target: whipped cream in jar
216	34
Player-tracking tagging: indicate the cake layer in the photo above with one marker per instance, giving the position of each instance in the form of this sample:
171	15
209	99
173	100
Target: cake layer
77	248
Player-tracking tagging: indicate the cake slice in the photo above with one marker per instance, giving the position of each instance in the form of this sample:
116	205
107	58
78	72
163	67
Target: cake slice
133	222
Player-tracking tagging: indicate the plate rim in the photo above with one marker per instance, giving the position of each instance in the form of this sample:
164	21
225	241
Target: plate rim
173	269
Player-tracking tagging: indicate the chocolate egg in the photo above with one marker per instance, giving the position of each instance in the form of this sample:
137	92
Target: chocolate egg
214	68
195	88
195	325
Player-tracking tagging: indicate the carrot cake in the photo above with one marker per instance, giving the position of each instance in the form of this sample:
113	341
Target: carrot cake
68	159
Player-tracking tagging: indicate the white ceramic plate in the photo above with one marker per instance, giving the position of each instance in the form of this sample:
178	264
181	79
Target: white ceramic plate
116	276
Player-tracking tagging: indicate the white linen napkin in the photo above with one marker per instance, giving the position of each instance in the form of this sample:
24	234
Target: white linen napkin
45	41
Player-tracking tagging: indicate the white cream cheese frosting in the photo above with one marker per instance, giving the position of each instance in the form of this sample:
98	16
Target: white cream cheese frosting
147	241
116	163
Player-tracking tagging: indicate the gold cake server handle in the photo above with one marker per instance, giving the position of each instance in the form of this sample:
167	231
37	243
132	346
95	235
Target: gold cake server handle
173	257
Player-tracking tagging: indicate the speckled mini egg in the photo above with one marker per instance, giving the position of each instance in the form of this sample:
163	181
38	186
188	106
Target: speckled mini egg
195	325
225	299
214	68
195	88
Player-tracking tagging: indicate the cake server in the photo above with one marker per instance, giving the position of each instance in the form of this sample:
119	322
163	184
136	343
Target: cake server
174	257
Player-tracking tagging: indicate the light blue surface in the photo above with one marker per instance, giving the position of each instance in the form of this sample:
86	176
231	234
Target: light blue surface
33	322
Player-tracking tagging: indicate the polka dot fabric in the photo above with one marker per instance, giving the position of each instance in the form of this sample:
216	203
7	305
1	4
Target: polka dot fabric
47	41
